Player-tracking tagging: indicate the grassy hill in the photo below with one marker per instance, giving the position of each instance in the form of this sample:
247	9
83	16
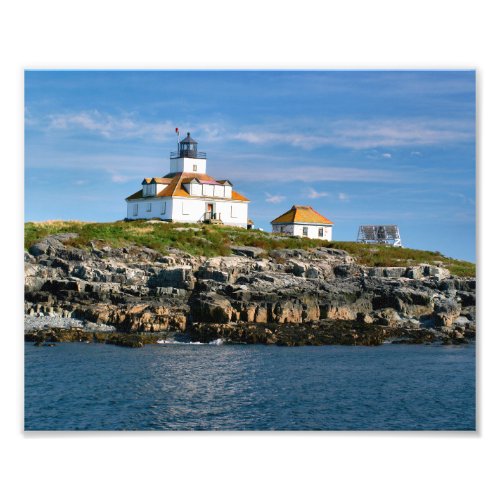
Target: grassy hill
210	241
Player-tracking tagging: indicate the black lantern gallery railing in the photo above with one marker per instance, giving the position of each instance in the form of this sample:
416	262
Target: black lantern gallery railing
188	154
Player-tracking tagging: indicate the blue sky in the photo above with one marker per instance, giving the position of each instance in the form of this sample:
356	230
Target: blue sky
375	147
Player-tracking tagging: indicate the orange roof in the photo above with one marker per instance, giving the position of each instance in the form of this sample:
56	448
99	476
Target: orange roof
238	196
135	196
302	214
157	180
175	186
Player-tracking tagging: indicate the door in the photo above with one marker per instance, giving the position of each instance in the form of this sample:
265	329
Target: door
210	210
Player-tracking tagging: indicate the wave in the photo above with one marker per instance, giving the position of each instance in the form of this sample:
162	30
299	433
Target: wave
171	341
217	342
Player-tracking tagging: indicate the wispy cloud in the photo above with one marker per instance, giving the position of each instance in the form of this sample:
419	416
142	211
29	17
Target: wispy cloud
311	193
274	198
343	197
364	134
125	126
270	173
29	119
300	133
119	178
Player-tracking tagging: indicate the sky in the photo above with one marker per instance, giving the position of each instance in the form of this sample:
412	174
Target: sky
361	147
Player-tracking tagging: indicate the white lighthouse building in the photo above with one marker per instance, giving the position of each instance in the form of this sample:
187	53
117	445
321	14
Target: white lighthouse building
187	193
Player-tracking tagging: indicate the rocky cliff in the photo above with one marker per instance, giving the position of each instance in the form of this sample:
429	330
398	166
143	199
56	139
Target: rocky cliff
288	297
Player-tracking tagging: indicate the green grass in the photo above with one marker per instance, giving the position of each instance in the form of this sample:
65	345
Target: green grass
212	241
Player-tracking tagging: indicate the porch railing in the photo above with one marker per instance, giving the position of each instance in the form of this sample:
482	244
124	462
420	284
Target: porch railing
208	216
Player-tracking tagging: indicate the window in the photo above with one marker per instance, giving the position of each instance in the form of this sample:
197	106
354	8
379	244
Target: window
148	207
185	208
135	209
195	168
164	207
320	232
236	211
304	231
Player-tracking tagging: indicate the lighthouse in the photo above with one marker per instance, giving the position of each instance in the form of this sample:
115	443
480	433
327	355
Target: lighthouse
188	194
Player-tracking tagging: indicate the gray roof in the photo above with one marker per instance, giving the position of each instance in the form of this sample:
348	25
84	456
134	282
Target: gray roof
188	140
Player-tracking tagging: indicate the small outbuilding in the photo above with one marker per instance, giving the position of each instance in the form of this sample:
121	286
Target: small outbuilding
305	222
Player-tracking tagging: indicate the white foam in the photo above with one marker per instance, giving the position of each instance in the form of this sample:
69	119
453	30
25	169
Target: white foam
177	342
217	342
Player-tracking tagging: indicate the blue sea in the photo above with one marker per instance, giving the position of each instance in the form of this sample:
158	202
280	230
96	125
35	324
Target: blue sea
78	386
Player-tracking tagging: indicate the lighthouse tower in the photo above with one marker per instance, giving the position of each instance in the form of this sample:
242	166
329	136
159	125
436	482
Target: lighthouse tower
187	158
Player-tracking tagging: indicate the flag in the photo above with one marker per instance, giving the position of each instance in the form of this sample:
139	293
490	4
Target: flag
177	131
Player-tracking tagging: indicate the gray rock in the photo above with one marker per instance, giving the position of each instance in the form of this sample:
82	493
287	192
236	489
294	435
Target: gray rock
252	252
176	277
437	272
312	272
292	286
394	272
345	270
415	272
38	249
462	320
299	268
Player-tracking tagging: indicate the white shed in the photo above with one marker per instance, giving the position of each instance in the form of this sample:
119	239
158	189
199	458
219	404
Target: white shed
305	222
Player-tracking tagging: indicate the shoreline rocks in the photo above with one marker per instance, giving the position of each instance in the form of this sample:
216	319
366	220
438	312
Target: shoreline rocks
301	297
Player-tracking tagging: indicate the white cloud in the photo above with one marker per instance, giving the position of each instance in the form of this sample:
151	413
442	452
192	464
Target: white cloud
354	134
343	197
29	119
274	198
386	155
416	153
267	173
363	134
119	178
310	192
112	127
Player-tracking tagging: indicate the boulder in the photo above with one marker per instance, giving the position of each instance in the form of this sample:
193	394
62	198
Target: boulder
388	317
176	277
364	318
312	273
446	311
211	308
38	249
436	272
346	270
299	268
415	272
247	251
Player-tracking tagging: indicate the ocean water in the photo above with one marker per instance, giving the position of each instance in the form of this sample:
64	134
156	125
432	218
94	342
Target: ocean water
79	386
